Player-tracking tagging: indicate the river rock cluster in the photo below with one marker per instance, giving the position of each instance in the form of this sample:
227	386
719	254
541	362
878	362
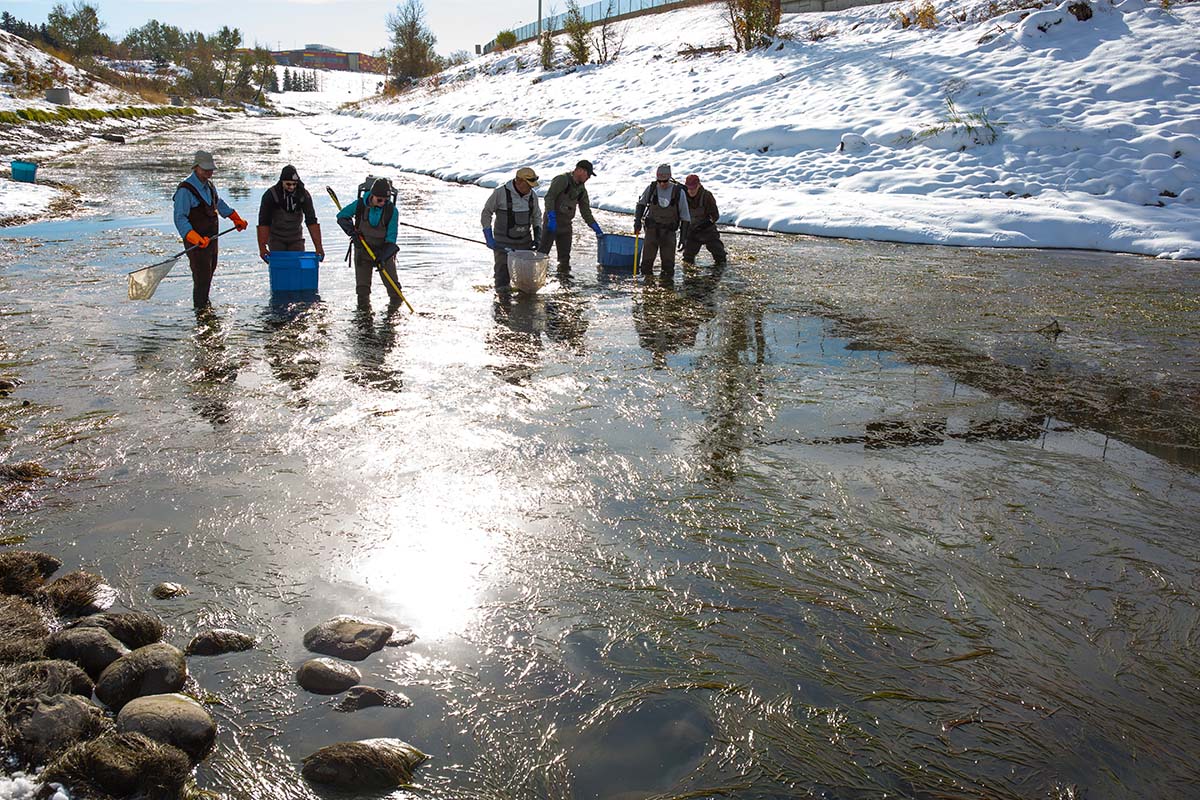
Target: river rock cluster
369	763
95	698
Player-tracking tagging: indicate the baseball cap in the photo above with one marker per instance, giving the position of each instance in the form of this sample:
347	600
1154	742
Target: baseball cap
528	175
586	166
691	181
203	159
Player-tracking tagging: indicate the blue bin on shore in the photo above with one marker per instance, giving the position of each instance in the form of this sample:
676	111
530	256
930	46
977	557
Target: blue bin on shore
294	271
615	250
24	171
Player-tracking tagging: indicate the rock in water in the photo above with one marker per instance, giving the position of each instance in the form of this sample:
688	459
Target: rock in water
51	724
173	719
217	641
133	628
366	764
167	590
23	571
153	669
50	677
360	697
326	676
351	638
94	649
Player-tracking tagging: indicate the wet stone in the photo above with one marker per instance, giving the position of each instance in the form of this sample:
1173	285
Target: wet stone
173	719
217	641
153	669
53	676
366	764
167	590
23	571
94	649
133	628
78	592
122	765
401	637
351	638
327	676
51	724
360	697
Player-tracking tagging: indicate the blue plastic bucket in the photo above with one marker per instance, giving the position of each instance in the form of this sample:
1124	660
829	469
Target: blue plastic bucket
615	250
24	171
294	271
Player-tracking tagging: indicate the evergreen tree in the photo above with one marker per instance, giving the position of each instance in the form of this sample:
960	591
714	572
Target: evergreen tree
288	85
273	80
579	49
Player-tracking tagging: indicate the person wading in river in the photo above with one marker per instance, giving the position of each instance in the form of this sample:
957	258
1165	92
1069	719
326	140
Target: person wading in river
515	206
373	216
664	208
197	211
566	194
703	231
284	207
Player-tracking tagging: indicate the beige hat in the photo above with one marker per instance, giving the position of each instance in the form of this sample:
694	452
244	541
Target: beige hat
528	175
204	160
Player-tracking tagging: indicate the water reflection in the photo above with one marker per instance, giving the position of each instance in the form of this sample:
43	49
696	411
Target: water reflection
668	317
372	340
213	369
523	321
297	332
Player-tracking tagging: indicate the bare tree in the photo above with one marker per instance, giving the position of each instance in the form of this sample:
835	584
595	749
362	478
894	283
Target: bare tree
411	55
607	38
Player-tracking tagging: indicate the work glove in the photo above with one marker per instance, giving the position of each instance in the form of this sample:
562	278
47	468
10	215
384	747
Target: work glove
196	240
388	251
595	226
637	227
347	225
238	222
551	222
537	237
491	240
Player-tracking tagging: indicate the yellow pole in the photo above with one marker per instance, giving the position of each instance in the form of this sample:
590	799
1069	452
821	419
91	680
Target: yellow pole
387	279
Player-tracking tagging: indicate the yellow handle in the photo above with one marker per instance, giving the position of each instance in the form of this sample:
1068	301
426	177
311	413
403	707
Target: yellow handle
383	273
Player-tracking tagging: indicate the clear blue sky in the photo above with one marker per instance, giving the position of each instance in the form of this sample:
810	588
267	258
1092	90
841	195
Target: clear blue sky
357	25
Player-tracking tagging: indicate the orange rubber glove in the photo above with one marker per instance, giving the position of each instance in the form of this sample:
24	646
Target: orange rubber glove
196	240
238	222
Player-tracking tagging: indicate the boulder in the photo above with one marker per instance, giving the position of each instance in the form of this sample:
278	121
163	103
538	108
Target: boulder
49	725
121	765
153	669
327	676
216	641
351	638
367	764
94	649
132	628
166	590
24	631
360	697
173	719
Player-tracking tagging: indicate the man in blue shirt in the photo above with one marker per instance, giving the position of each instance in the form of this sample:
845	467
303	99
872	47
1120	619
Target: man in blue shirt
373	218
197	207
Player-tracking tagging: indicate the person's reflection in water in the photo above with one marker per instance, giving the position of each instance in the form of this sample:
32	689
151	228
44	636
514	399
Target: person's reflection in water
214	371
296	334
372	343
668	317
523	320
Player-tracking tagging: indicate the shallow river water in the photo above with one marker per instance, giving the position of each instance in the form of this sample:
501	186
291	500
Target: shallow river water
832	522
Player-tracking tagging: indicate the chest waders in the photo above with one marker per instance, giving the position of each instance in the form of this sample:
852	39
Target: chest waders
203	260
286	226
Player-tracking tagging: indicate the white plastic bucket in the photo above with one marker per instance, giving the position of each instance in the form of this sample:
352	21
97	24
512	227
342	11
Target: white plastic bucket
527	270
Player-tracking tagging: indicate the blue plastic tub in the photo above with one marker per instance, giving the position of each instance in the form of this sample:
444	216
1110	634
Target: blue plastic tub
615	250
294	271
24	171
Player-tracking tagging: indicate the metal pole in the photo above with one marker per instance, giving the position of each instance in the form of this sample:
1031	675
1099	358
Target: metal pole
539	20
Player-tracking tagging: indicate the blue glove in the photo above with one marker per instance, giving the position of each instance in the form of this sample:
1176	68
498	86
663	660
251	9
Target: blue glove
551	222
491	240
596	228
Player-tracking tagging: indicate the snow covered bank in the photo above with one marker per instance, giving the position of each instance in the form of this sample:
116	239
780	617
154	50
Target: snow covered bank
1028	128
24	201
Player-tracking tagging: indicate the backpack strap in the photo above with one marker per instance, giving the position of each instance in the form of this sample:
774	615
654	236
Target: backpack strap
196	193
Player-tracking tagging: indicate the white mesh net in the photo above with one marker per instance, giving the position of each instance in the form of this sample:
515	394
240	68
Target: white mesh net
143	282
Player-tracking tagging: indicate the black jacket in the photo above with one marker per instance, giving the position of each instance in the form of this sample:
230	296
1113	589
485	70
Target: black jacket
275	196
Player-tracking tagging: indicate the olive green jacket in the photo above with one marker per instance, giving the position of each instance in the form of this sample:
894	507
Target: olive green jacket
564	195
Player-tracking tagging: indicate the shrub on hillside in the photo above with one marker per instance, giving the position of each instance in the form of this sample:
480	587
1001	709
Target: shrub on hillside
753	22
923	16
506	40
579	49
547	45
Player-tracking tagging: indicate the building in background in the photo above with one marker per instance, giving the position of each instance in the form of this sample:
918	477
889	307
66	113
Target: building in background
319	56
